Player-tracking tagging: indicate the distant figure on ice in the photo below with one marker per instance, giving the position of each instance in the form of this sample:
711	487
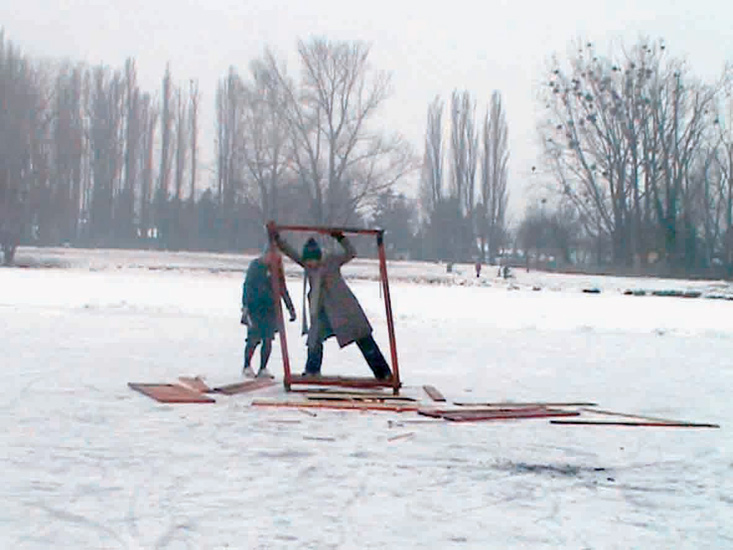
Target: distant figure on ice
333	308
258	310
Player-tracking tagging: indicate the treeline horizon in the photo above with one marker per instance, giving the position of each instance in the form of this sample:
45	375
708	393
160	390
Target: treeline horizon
636	172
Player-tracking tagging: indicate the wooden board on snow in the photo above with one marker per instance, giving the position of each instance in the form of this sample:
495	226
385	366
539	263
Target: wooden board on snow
459	415
195	383
354	396
246	386
170	393
524	404
433	392
338	405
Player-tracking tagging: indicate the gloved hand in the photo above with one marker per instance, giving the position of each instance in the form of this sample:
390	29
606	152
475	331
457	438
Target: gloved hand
292	314
338	235
245	320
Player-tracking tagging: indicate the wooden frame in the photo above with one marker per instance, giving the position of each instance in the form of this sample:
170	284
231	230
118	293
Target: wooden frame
290	379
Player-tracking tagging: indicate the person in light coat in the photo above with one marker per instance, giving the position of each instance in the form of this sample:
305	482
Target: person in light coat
333	308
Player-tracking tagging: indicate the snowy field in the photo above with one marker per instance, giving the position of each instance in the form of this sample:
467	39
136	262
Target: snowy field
88	463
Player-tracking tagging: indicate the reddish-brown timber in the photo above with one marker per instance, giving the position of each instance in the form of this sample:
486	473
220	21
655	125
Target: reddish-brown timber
339	405
170	393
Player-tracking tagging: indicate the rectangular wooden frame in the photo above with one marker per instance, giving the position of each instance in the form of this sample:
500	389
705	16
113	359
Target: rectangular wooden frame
289	379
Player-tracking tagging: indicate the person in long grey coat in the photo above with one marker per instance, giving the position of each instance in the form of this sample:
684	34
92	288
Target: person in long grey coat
333	308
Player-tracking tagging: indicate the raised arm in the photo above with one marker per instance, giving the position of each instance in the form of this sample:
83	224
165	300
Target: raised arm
349	252
287	249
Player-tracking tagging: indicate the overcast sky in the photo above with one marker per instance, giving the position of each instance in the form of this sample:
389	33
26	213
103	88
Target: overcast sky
430	48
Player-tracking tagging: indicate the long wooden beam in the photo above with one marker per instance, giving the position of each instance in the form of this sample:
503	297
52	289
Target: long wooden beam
525	404
329	230
635	423
339	405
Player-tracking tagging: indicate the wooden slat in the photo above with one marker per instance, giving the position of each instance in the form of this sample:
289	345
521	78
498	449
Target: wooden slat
170	393
344	381
629	416
339	405
524	404
497	414
246	386
477	410
433	392
353	396
195	383
635	423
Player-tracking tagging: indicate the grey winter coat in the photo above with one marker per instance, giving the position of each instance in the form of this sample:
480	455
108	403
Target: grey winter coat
330	294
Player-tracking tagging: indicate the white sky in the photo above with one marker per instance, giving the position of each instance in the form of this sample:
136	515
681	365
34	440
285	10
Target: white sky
430	48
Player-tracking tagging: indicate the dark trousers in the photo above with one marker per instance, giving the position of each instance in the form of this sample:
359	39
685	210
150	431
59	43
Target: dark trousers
265	350
369	349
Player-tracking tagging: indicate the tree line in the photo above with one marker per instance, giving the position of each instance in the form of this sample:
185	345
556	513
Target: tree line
636	170
91	159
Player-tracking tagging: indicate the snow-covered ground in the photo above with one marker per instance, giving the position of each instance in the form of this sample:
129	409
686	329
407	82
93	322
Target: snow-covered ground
88	463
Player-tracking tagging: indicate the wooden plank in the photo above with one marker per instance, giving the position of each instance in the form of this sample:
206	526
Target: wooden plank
344	381
497	414
170	393
436	411
246	386
353	396
635	423
339	405
525	404
433	392
401	436
339	391
195	383
635	416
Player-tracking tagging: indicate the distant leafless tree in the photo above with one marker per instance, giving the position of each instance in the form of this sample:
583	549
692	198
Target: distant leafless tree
167	121
431	181
228	107
149	116
623	139
107	138
194	96
21	120
463	156
265	143
69	144
342	162
494	176
463	150
125	211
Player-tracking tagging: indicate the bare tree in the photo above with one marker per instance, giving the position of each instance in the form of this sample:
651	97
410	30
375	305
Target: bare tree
68	139
622	140
167	120
106	116
193	126
463	156
463	150
265	145
228	107
342	162
149	116
125	212
494	174
21	121
431	181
